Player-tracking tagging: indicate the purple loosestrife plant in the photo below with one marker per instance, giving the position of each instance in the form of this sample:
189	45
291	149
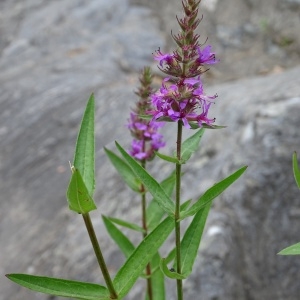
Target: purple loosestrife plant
146	141
180	99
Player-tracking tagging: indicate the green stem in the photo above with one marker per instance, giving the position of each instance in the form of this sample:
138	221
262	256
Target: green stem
177	211
100	258
144	223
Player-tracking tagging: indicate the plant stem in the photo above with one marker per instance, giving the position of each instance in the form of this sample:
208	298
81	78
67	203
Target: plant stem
177	211
144	222
100	258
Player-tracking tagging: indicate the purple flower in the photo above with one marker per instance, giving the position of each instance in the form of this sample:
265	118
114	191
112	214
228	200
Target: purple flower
164	58
137	150
170	103
202	118
206	56
147	139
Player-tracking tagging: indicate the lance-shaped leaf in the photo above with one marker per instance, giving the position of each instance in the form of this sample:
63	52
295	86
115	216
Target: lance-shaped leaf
78	195
84	159
291	250
127	224
150	183
61	287
296	169
120	239
124	170
196	126
171	159
170	273
142	255
191	240
190	145
212	193
157	279
154	211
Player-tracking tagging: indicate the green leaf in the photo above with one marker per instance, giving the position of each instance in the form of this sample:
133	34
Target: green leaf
196	126
154	211
124	170
150	183
191	240
61	287
167	158
169	273
142	255
84	159
157	279
296	169
190	145
212	193
172	253
127	224
120	239
185	205
78	196
291	250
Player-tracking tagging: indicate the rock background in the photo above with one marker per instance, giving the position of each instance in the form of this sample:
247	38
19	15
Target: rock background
53	54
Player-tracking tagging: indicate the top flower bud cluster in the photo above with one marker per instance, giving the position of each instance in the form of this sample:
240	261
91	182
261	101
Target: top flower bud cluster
146	140
182	98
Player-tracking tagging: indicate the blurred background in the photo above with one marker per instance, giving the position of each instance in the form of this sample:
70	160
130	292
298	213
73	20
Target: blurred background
54	54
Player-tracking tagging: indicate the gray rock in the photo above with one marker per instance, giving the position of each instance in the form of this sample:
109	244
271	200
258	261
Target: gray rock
226	24
53	54
259	215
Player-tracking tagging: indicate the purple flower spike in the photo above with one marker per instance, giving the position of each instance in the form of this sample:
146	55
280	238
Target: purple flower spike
145	132
181	97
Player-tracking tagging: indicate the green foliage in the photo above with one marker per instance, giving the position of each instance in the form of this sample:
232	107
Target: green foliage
124	170
158	279
61	287
84	159
296	169
142	255
212	193
291	250
77	194
127	224
154	212
120	239
190	145
170	273
191	240
150	183
205	126
82	183
167	158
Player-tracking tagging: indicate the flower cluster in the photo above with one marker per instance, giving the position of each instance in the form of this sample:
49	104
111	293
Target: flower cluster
182	98
146	140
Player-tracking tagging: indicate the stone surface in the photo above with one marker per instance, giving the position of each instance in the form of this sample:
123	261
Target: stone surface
250	36
53	54
259	215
